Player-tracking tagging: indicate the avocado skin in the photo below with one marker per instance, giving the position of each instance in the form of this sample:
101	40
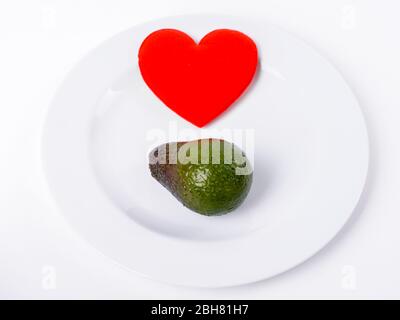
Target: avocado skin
206	188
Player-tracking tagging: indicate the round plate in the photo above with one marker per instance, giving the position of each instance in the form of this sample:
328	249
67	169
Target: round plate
303	131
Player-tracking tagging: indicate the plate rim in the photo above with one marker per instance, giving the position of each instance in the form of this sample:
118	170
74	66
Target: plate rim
45	142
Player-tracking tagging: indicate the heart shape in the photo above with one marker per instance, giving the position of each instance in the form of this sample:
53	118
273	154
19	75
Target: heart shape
198	81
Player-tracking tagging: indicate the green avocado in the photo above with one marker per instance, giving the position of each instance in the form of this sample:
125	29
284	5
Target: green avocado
209	176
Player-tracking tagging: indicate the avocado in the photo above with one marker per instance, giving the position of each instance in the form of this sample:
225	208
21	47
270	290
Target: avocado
208	176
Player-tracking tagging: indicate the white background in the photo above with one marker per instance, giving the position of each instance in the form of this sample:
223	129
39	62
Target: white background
41	257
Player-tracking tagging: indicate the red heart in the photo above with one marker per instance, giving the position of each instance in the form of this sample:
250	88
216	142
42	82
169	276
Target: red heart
198	81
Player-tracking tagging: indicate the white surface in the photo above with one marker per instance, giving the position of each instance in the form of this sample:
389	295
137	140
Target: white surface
310	161
41	41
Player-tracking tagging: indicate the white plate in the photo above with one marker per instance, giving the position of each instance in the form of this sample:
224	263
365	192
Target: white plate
310	161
